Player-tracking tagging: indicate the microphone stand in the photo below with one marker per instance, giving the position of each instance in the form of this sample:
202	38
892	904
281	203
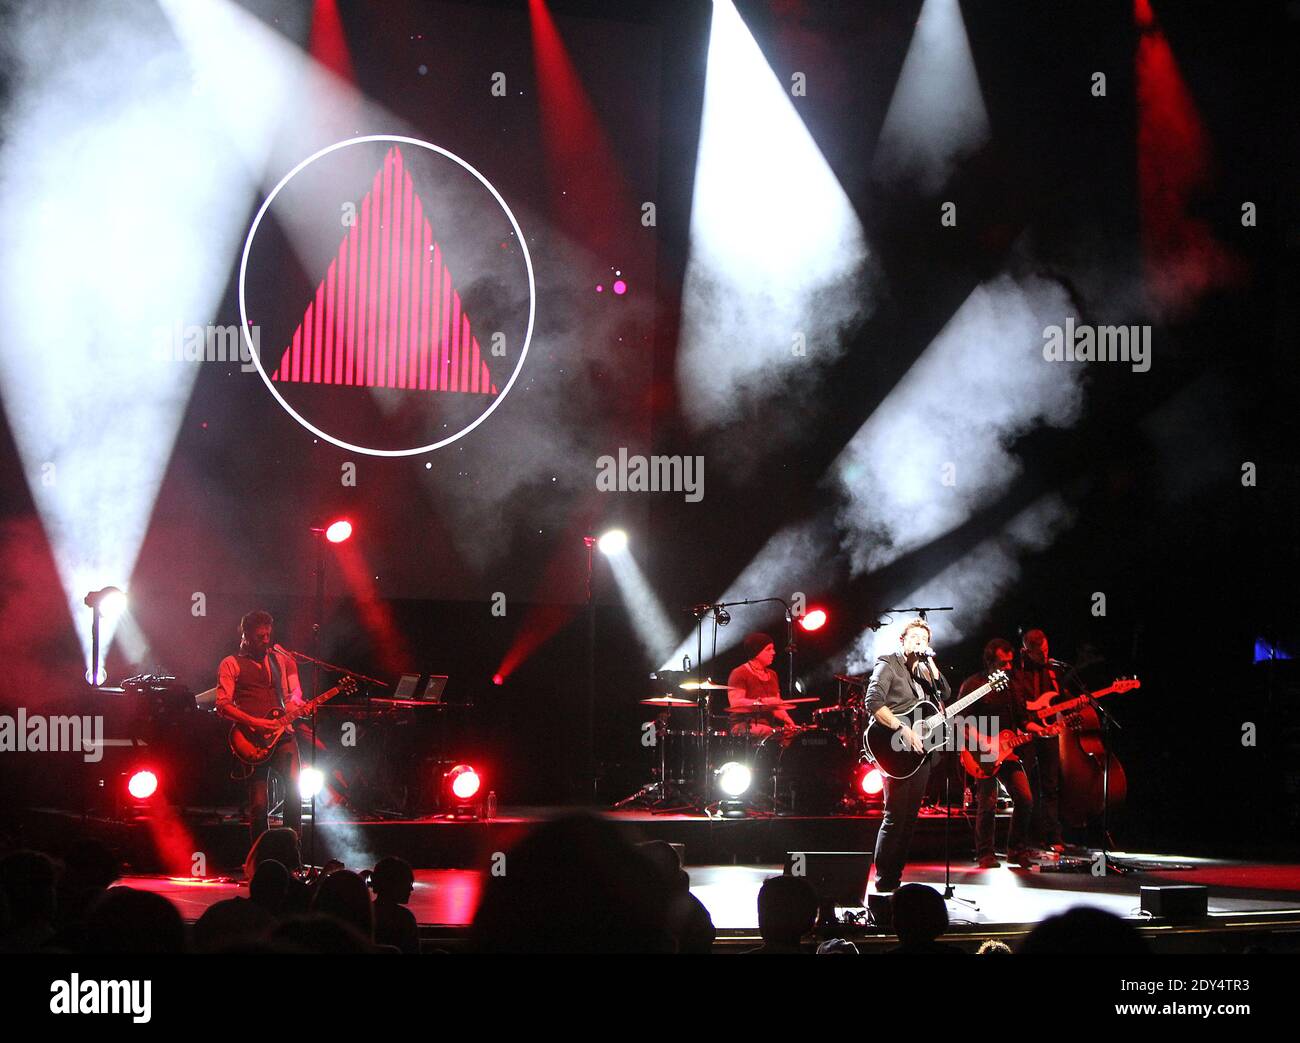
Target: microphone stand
333	667
789	634
700	612
317	666
949	893
1109	864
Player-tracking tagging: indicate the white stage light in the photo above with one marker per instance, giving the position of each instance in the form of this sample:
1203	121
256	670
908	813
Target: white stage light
113	235
775	244
734	779
644	609
310	782
613	542
936	115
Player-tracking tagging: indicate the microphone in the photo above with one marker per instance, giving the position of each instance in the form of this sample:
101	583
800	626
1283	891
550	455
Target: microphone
1058	663
928	652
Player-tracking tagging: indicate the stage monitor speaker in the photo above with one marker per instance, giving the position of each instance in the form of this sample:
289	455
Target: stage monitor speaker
840	877
1180	903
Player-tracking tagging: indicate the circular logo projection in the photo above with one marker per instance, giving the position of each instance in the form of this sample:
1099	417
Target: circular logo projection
386	295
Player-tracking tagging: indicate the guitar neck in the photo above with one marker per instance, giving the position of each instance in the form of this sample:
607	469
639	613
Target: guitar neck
1070	704
1046	733
966	700
305	708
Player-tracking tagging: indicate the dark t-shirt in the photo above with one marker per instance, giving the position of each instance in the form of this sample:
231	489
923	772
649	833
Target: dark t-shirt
1032	681
1008	705
754	687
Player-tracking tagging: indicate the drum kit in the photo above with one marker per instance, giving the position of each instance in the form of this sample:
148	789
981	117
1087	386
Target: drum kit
804	770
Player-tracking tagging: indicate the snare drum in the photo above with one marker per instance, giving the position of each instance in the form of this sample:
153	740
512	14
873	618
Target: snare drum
807	771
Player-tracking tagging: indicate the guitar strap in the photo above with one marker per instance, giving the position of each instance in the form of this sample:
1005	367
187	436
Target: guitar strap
277	681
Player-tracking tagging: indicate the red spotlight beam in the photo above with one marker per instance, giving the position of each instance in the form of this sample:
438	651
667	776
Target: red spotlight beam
1181	256
328	43
376	616
589	192
543	621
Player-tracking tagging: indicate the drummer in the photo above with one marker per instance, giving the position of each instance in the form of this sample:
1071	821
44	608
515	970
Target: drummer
753	683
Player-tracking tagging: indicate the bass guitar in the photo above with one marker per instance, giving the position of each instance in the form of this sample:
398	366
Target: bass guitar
895	757
253	745
1043	707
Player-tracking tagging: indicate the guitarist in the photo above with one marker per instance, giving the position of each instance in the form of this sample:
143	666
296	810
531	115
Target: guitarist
250	685
1004	709
1037	675
898	681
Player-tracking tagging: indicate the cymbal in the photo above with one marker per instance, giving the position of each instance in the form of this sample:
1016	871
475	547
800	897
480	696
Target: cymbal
852	678
761	707
667	700
711	686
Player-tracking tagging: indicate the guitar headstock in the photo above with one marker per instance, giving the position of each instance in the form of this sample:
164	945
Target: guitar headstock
998	680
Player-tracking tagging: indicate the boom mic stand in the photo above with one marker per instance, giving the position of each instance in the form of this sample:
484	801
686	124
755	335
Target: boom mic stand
949	893
1109	863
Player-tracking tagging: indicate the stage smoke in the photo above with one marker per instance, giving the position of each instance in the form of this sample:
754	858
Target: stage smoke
939	446
777	253
971	585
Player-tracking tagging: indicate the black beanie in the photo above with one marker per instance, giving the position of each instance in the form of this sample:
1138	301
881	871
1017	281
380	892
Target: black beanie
756	642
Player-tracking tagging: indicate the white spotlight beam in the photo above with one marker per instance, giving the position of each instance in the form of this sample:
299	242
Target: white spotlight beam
937	448
647	614
278	107
121	218
795	559
936	115
775	243
972	585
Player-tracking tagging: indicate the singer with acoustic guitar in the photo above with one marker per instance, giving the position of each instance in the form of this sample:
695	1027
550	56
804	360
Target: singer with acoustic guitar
252	687
898	682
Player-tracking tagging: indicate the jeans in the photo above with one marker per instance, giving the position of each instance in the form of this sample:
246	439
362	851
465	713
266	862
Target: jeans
1012	775
284	764
1044	767
902	802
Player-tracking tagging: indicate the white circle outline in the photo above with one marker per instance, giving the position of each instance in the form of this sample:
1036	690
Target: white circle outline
243	309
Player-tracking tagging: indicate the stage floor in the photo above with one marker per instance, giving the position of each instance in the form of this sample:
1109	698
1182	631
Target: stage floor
1249	902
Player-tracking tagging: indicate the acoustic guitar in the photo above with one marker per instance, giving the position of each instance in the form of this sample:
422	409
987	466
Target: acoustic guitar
898	760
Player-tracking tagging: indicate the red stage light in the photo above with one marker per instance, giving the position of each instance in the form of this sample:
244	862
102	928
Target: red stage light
498	679
142	785
464	782
339	531
872	782
814	620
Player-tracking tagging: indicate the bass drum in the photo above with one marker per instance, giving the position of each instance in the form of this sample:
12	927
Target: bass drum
807	772
839	720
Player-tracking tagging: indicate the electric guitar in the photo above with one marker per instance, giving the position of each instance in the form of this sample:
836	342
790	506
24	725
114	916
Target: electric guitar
253	745
989	754
897	759
1043	707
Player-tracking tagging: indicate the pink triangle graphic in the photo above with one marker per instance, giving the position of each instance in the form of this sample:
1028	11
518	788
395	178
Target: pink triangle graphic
386	313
